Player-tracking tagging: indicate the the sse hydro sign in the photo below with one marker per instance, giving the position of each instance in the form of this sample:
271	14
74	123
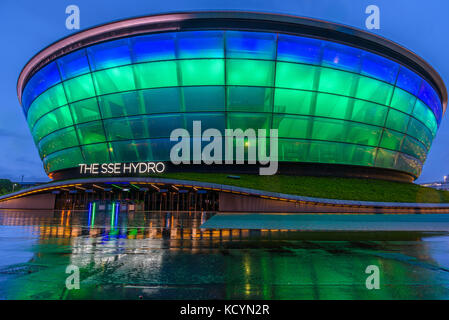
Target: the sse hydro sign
122	168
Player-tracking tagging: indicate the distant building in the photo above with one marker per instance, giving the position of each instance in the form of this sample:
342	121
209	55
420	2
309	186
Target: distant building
439	185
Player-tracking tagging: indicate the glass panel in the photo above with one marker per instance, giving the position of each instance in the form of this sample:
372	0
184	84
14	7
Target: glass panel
374	90
340	56
58	140
120	104
153	47
252	45
299	49
409	164
114	80
204	98
109	54
85	110
202	72
52	121
336	81
160	126
417	130
397	120
408	80
131	151
47	101
162	100
73	64
249	73
96	153
332	106
79	88
290	126
250	99
379	67
391	139
337	130
414	148
423	113
200	44
91	132
368	112
295	76
208	120
41	81
402	100
386	158
293	101
63	159
249	120
430	97
156	74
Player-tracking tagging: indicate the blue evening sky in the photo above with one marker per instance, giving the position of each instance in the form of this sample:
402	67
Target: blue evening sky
28	26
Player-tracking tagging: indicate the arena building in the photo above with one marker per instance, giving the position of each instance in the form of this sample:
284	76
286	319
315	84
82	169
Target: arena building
345	102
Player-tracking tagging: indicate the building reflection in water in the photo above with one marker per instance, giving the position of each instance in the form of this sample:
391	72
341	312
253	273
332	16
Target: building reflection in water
166	255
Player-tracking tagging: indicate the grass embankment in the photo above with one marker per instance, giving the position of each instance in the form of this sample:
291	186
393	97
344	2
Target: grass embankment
325	187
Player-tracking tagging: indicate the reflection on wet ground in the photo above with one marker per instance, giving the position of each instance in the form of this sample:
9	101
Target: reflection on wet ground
165	255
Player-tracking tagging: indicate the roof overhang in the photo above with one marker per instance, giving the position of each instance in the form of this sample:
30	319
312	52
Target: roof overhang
233	20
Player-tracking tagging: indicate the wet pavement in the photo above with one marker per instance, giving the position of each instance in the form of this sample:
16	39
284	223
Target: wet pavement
166	255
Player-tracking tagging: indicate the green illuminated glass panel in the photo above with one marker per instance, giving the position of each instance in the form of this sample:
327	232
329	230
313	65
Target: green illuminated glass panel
391	139
205	98
344	131
332	106
386	158
79	88
293	101
237	120
91	132
397	120
291	126
249	72
368	112
419	131
374	90
295	76
402	100
85	110
131	151
337	82
58	140
202	72
52	121
413	148
162	100
408	164
63	159
249	99
156	74
114	80
209	120
121	104
423	113
47	101
96	153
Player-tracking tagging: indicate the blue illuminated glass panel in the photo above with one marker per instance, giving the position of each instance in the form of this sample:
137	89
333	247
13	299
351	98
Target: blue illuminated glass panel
379	67
153	47
73	64
299	49
109	54
342	57
250	45
201	44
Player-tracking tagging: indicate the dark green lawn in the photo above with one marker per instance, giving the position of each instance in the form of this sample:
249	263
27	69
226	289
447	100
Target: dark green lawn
325	187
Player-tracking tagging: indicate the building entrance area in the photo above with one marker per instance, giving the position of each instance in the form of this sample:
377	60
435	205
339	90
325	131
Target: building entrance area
134	197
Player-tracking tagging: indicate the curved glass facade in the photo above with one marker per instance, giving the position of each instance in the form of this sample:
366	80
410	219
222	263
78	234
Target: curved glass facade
118	101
